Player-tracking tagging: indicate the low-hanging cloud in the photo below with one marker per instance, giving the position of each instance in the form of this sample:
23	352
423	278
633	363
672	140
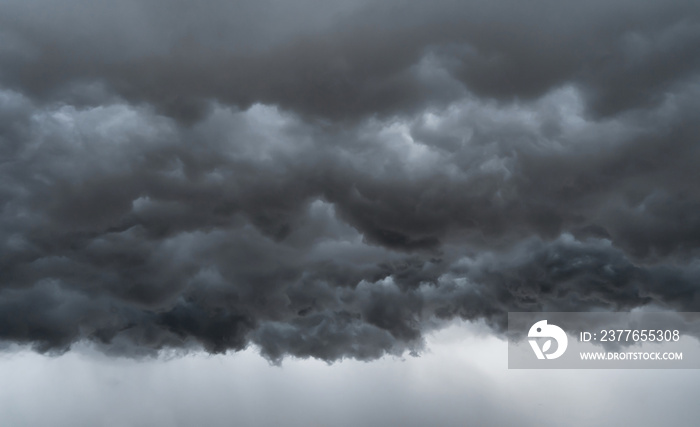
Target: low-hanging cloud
339	186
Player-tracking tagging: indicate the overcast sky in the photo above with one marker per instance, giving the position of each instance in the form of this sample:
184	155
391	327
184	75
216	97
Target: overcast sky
326	186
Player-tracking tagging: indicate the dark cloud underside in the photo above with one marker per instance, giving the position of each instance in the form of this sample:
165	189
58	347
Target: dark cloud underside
332	180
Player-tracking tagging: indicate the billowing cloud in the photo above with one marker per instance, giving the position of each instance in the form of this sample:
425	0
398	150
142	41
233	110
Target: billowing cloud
333	181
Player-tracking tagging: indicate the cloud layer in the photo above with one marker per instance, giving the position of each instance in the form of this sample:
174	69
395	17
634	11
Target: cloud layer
333	181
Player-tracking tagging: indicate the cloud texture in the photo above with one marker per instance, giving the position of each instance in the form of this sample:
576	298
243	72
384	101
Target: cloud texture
332	180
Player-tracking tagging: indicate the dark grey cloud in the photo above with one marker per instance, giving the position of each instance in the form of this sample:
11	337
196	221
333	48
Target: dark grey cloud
335	180
342	60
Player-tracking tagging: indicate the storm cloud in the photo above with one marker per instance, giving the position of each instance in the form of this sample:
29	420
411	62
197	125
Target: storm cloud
335	179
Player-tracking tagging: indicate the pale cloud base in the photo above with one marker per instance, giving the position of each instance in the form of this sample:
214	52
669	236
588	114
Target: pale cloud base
461	380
